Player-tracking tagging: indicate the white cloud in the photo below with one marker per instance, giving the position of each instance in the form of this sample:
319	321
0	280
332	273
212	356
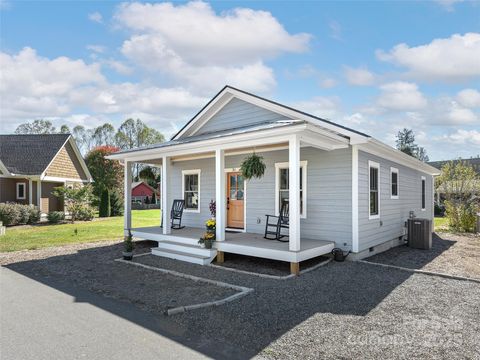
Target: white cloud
359	76
335	30
95	17
460	115
100	49
463	137
33	87
469	98
204	50
324	107
327	83
401	96
448	5
451	59
118	66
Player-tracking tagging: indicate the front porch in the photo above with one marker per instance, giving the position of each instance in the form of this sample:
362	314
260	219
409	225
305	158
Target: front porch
242	243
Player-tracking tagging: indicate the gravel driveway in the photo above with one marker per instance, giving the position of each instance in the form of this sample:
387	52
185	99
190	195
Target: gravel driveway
454	254
339	311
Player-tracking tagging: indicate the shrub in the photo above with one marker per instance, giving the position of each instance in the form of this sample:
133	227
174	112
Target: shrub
439	210
34	214
116	204
461	217
104	209
9	214
23	213
81	212
54	217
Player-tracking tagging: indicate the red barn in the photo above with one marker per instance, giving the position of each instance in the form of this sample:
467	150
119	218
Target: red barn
140	190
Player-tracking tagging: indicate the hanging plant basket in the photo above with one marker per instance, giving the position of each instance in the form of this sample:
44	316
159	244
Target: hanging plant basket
253	167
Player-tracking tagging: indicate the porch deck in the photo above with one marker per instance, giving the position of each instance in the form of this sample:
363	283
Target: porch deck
242	243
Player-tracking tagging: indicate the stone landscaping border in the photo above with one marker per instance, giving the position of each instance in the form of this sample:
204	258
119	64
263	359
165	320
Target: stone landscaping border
268	276
243	291
424	272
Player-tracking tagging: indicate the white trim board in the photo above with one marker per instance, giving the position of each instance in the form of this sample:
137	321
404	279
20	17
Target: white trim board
355	198
197	172
17	187
375	165
285	165
394	170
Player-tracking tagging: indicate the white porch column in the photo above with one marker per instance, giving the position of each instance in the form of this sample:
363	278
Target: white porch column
30	191
127	217
39	195
165	211
294	192
220	193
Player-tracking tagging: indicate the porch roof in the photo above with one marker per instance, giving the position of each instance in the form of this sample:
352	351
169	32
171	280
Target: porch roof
217	134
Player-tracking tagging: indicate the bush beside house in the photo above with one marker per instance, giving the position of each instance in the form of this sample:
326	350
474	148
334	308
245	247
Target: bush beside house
18	214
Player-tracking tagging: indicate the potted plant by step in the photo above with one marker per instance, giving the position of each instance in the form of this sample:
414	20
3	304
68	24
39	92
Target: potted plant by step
128	247
207	239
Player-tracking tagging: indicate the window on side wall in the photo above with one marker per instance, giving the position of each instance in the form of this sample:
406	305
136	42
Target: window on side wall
282	185
191	190
424	180
21	191
394	181
374	189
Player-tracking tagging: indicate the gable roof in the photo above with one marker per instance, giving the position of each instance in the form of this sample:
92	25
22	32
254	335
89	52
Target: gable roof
31	154
228	92
138	183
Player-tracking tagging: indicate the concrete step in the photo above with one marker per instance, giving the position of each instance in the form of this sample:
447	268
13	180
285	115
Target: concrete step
188	248
184	256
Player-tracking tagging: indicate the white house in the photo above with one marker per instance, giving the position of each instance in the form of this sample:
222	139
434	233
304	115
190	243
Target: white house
345	188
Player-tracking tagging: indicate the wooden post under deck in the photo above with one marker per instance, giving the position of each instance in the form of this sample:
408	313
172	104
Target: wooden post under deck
220	256
295	268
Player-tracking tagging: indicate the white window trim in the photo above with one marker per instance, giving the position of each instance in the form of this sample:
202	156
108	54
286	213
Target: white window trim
24	191
191	172
423	178
394	170
377	166
285	165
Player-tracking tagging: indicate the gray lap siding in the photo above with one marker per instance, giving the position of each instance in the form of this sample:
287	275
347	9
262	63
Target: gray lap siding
393	212
328	192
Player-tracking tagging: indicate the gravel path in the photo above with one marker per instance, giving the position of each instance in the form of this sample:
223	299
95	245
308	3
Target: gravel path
341	310
94	269
454	254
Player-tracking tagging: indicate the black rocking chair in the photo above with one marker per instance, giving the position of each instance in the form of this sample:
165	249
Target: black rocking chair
278	223
176	214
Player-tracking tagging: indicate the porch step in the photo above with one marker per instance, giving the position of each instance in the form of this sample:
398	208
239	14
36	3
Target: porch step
187	248
189	253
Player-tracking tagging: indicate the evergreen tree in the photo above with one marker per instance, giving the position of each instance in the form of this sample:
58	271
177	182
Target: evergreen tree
104	210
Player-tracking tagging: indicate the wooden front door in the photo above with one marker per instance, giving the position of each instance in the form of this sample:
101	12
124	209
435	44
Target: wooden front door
235	199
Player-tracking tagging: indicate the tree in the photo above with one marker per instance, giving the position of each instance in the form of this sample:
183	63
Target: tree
149	175
39	126
405	142
104	135
107	174
64	129
147	200
460	184
135	133
104	210
154	198
116	203
77	201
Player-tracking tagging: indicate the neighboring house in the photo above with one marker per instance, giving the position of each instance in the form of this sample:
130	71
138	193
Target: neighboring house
345	188
140	191
31	166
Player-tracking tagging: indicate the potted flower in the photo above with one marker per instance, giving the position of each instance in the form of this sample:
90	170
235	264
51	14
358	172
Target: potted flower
207	239
128	247
210	224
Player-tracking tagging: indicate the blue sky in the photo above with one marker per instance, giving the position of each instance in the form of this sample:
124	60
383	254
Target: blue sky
373	66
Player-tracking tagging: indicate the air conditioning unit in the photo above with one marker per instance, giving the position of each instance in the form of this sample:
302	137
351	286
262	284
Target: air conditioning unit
419	233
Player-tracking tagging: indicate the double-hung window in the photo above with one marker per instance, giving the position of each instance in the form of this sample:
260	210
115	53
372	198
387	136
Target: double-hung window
394	183
21	191
374	189
191	190
282	186
423	192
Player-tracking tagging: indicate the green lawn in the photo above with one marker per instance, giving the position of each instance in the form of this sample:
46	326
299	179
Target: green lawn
35	237
440	223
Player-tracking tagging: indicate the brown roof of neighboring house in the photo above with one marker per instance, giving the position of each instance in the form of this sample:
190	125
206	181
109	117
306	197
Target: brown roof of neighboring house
475	162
